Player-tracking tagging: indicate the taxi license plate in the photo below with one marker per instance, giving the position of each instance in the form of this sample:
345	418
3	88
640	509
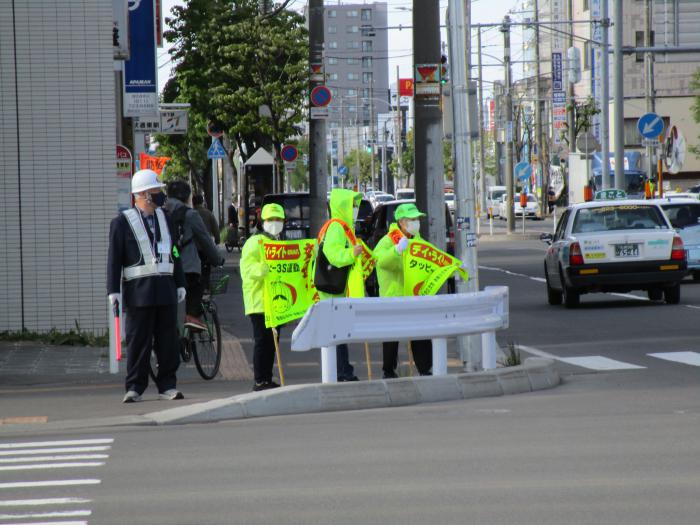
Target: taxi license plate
626	250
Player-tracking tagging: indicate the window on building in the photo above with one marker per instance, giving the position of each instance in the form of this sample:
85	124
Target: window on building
352	109
353	61
332	45
367	62
332	13
332	30
352	13
640	42
365	92
676	24
366	14
333	76
366	45
353	29
632	137
332	61
352	92
353	76
367	77
587	50
354	45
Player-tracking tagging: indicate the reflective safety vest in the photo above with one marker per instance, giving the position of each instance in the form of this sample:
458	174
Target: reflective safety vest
155	260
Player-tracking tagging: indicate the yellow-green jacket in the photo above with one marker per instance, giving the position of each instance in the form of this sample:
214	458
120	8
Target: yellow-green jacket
336	246
253	272
389	265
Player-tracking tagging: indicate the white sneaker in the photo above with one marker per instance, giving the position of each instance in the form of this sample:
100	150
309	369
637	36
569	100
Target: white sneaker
131	397
171	395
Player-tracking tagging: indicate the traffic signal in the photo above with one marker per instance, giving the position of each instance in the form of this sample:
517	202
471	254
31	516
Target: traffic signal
444	75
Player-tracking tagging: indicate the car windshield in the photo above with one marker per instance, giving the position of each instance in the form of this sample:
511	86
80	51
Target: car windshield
449	196
624	217
384	198
495	195
405	194
682	215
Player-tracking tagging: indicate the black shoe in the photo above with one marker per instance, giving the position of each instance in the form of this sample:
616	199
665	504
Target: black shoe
265	385
390	375
347	379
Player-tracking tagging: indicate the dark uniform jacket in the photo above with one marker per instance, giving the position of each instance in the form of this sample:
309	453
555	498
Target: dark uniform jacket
124	251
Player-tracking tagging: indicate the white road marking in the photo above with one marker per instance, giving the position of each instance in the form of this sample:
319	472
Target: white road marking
687	358
58	443
592	362
30	459
49	466
42	501
630	296
599	362
53	450
51	483
43	515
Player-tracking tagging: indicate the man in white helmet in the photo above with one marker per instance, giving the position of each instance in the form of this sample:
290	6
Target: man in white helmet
142	266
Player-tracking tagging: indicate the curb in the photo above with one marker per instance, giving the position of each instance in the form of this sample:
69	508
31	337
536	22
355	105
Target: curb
516	236
535	374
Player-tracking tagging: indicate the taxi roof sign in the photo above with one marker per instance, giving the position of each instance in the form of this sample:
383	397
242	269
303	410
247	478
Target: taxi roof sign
609	195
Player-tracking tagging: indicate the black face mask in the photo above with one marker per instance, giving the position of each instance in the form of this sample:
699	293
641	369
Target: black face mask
158	198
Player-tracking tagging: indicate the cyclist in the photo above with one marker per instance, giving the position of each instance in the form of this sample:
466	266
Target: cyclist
191	237
253	272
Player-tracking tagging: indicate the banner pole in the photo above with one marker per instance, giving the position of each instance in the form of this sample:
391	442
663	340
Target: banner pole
275	336
369	364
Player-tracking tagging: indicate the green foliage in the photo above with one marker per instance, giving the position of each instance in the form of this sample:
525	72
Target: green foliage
77	337
447	160
512	356
299	178
365	165
229	61
407	158
695	108
584	112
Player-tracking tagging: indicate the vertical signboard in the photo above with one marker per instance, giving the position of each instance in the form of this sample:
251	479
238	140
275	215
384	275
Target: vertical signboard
558	98
124	169
596	90
140	80
120	29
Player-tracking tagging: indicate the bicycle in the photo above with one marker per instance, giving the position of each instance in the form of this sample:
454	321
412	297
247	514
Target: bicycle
203	345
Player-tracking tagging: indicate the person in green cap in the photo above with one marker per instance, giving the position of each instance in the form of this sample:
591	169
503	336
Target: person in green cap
389	255
341	249
253	272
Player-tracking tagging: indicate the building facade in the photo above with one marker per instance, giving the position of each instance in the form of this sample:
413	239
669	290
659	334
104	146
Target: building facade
57	169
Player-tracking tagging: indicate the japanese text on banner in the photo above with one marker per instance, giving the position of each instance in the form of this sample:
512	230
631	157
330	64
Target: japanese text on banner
426	268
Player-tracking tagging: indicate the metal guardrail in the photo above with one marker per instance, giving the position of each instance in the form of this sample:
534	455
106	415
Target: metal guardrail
377	319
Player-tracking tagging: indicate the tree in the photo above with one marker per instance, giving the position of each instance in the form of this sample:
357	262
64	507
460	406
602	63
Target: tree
407	157
365	165
583	112
231	60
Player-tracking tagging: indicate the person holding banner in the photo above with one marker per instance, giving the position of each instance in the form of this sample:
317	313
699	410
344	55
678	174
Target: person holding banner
254	269
390	275
342	263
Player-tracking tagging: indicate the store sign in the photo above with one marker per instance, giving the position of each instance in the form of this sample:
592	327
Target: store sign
140	71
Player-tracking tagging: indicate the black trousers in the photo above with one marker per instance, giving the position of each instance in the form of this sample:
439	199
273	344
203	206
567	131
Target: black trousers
422	356
263	349
193	299
152	328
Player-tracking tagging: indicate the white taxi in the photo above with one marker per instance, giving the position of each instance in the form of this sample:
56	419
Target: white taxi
614	246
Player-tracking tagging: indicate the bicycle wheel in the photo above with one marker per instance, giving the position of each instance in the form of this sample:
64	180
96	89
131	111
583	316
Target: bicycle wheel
207	344
153	367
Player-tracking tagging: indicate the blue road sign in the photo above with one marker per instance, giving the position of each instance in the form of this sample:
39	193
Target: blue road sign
342	170
650	126
321	96
289	153
523	170
216	150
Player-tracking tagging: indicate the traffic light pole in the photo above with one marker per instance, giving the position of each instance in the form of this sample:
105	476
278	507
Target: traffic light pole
318	175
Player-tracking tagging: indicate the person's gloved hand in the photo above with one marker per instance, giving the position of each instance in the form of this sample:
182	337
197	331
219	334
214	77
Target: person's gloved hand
402	245
357	250
114	297
181	294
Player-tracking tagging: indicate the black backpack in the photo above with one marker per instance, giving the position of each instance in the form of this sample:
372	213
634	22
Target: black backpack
178	219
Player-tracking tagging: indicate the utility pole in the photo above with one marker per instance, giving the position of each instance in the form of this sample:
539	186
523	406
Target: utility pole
619	111
482	152
398	139
357	133
649	80
317	128
544	171
508	102
341	161
465	205
498	94
429	178
372	138
605	96
571	115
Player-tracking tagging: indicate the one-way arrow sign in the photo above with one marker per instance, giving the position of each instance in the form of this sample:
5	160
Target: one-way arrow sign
650	126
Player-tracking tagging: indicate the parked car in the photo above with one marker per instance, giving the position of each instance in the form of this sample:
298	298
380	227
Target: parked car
450	201
532	208
379	198
614	246
405	193
494	195
684	215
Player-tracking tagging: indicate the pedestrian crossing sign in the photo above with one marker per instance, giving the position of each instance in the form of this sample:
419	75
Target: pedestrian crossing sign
216	150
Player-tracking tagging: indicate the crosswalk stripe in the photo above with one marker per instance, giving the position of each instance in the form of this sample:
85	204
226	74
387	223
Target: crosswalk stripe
22	459
42	515
53	450
36	444
49	466
687	358
42	501
51	483
599	362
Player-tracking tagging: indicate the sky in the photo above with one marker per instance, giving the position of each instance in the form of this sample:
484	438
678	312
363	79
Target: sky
401	44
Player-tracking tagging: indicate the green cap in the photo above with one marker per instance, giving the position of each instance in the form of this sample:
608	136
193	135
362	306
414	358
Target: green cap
271	211
407	211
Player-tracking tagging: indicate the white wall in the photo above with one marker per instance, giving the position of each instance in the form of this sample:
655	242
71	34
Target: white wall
58	186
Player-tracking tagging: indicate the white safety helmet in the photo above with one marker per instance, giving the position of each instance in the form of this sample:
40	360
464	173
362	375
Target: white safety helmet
145	180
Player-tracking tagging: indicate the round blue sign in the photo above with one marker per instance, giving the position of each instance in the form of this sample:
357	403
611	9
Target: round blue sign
650	126
342	170
289	153
321	96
